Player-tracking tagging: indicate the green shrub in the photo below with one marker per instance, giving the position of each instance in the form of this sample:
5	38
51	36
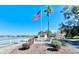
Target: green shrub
56	42
77	34
68	37
76	37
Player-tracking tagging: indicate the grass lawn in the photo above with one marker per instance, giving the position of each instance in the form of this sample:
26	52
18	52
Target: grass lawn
75	38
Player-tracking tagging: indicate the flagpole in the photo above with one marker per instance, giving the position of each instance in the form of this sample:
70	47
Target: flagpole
41	22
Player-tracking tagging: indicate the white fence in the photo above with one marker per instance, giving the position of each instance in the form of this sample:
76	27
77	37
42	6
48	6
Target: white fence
42	41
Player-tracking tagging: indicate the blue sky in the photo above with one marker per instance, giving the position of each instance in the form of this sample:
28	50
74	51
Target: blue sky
17	19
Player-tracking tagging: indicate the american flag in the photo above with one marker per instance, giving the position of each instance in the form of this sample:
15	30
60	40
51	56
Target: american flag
37	15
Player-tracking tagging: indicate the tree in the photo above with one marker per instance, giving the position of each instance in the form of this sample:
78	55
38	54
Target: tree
71	11
48	12
71	15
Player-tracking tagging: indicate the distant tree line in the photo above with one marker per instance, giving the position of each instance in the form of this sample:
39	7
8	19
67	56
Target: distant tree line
16	36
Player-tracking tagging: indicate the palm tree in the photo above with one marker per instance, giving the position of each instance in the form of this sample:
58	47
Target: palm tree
48	12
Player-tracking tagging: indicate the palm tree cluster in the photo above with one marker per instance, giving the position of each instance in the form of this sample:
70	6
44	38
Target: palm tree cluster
71	26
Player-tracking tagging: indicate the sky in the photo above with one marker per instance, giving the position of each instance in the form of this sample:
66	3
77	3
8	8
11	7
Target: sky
18	19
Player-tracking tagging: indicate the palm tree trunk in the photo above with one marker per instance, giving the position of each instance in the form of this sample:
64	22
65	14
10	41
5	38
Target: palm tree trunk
48	27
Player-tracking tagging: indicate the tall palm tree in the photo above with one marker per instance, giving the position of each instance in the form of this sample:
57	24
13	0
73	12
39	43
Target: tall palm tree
48	12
